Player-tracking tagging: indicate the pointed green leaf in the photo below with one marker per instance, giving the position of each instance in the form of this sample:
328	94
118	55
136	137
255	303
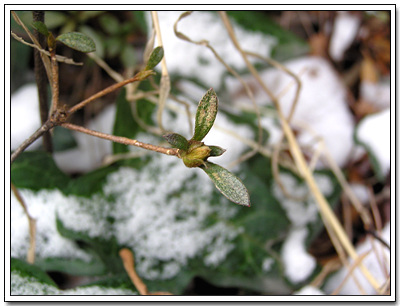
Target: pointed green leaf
216	151
41	28
155	57
78	41
227	183
205	115
177	141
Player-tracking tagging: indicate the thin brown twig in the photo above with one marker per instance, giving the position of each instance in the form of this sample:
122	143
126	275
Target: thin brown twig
102	93
60	58
122	140
32	226
39	132
55	85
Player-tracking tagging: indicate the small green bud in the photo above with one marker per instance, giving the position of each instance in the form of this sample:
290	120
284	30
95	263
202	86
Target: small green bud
196	155
216	151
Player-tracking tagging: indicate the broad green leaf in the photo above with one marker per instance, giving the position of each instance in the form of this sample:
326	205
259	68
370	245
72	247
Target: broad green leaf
205	114
177	141
155	57
41	28
72	266
77	41
37	170
27	270
227	183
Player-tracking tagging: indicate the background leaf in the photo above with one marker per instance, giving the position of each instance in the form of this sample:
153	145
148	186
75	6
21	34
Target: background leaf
77	41
41	27
37	170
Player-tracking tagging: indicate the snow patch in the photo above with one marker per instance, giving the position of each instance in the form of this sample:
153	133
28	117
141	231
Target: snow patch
22	285
374	132
309	290
25	118
42	206
344	32
194	61
321	111
297	262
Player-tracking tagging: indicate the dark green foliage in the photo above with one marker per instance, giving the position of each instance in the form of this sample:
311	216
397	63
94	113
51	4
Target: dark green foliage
30	166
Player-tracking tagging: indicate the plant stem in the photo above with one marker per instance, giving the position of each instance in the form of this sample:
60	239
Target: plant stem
102	93
123	140
41	81
39	132
129	265
30	258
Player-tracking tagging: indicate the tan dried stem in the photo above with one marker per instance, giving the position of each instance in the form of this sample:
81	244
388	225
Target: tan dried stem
325	210
353	266
165	83
55	85
30	258
129	265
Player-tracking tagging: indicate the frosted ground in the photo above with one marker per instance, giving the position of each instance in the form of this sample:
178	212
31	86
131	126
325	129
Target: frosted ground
311	115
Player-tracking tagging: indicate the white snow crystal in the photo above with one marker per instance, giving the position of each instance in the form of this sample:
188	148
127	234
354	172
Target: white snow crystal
298	264
309	290
22	285
344	32
374	132
25	118
42	206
